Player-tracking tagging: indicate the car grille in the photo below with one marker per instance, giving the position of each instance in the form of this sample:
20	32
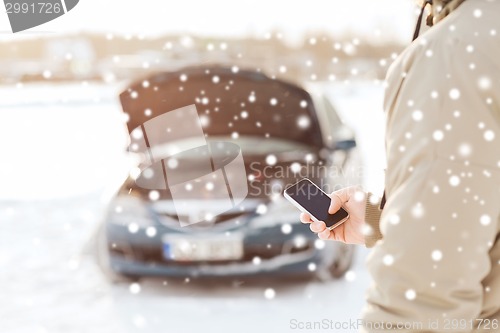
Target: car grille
154	255
172	220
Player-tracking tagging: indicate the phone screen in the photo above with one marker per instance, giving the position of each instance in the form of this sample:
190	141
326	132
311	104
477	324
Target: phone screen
315	201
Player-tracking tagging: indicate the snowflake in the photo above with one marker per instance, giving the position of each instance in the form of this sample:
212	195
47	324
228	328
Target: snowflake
319	244
350	276
204	120
484	83
135	288
454	94
438	135
209	186
465	149
261	209
417	115
269	293
244	114
299	241
489	135
256	260
303	122
477	13
235	135
410	294
133	228
417	211
388	260
485	220
273	101
286	228
271	159
436	255
154	195
282	69
151	231
394	219
311	266
251	98
454	180
172	163
295	167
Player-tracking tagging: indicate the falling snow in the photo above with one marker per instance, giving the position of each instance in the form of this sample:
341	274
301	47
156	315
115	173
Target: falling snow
133	228
394	219
303	122
271	159
295	167
454	94
388	260
410	294
485	220
286	228
350	276
154	195
454	180
261	209
135	288
436	255
417	115
489	135
269	293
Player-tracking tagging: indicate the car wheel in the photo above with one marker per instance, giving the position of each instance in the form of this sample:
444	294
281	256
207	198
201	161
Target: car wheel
103	260
334	268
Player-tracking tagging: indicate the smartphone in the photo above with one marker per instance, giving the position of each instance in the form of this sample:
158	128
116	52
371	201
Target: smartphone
309	198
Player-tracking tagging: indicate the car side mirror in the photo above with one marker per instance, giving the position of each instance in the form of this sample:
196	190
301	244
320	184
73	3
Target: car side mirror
345	145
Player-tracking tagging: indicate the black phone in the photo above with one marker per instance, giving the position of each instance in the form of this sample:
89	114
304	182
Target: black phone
309	198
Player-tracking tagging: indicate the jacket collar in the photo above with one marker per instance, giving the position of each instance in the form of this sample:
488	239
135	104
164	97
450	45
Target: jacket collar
442	8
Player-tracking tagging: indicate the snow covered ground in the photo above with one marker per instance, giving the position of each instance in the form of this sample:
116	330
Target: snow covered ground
49	284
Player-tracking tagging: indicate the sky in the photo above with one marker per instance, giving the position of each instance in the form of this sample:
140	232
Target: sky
378	19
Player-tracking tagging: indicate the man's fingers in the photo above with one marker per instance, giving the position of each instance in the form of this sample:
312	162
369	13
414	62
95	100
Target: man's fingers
339	198
326	234
305	218
317	226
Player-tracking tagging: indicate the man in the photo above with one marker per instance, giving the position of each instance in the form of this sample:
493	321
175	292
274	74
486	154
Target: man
436	251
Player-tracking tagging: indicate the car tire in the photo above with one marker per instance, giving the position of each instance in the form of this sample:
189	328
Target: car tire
336	267
104	262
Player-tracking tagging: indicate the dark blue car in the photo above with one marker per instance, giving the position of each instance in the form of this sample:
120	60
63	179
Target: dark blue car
284	132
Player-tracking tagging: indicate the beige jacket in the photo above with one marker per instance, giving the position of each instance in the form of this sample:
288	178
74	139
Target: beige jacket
435	261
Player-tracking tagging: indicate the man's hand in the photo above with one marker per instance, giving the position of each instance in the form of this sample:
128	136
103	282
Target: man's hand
353	199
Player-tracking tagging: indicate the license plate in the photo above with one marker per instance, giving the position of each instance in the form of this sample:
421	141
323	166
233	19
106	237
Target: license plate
202	248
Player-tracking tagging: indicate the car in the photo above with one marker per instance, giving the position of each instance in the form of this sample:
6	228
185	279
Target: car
284	134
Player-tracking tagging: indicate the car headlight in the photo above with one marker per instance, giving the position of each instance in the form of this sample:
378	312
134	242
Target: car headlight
131	212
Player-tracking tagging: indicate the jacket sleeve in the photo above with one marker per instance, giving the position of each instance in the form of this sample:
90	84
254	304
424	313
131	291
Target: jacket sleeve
442	214
372	220
430	263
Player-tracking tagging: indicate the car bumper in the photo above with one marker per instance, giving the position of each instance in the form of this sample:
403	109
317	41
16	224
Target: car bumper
286	264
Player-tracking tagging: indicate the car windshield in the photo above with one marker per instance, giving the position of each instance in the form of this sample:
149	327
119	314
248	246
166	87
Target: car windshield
229	104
